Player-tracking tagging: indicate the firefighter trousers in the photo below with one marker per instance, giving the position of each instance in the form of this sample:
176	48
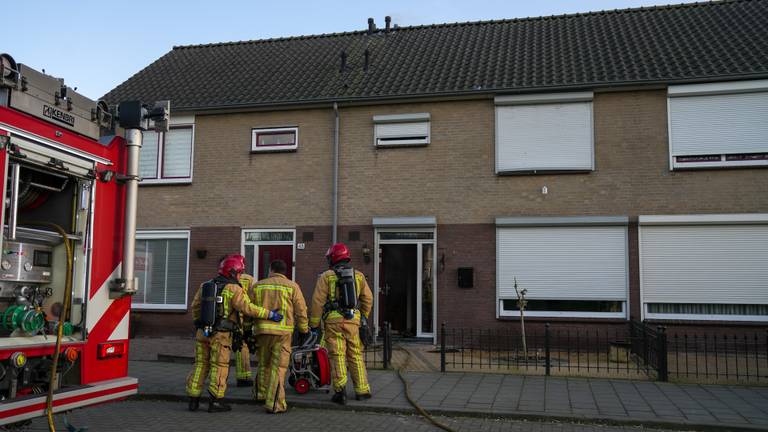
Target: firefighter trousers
212	361
274	355
342	340
243	363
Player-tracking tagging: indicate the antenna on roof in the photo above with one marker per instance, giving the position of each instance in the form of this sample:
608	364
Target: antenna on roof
371	26
387	23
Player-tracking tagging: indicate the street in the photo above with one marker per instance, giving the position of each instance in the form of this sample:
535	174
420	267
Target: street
147	416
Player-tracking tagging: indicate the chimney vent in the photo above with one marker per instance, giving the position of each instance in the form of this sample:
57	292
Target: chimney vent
371	26
387	23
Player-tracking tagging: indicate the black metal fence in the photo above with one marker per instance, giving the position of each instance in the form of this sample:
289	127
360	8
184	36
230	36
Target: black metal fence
378	355
719	357
636	351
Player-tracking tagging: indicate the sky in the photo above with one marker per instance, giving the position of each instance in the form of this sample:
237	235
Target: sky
96	45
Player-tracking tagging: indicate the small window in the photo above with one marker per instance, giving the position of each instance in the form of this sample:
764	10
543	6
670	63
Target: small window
591	307
401	130
161	263
167	157
275	139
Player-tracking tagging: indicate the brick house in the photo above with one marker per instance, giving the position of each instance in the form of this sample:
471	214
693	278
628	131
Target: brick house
612	163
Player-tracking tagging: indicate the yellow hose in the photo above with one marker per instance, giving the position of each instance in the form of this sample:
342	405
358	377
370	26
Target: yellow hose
64	313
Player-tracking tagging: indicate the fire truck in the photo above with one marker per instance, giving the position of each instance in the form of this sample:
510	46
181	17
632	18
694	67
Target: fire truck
68	234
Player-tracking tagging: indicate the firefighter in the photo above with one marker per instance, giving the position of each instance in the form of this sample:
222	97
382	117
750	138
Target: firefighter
341	318
276	292
214	336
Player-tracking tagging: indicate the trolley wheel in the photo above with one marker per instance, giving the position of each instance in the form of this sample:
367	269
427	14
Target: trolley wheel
301	386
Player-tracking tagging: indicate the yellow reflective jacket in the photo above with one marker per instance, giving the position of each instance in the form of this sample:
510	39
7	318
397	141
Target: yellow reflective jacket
325	289
235	299
279	292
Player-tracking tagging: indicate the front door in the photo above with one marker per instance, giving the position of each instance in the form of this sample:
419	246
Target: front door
405	287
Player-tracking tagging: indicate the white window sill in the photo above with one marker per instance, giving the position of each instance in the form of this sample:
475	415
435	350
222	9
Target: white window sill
563	314
159	307
165	181
702	317
679	166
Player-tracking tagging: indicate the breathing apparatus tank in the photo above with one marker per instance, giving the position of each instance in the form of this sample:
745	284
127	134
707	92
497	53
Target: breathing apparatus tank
346	291
209	301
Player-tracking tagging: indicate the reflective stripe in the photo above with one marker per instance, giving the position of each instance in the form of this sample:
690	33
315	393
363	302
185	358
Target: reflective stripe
273	326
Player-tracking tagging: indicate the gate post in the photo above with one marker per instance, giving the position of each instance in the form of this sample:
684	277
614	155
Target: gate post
661	353
442	347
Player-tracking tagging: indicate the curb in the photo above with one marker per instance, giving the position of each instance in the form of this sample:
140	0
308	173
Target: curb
522	415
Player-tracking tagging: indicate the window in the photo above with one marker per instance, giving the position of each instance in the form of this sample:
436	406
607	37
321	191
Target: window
401	130
544	133
274	139
704	267
167	157
570	267
162	259
718	125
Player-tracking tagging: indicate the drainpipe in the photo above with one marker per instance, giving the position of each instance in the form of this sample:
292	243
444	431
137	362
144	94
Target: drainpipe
133	144
335	170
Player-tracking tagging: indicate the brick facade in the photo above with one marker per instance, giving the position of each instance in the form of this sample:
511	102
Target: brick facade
452	179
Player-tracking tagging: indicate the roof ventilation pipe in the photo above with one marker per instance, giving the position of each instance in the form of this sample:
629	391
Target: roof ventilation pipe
371	26
387	23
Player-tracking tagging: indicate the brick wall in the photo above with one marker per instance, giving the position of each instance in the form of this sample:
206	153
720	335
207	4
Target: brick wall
452	179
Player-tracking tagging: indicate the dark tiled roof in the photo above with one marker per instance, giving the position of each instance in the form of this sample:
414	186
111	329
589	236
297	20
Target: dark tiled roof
688	42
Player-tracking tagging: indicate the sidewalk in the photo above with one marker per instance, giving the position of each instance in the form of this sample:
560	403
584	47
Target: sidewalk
666	405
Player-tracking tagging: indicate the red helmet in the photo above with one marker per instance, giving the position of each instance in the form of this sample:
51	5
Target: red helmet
232	266
337	253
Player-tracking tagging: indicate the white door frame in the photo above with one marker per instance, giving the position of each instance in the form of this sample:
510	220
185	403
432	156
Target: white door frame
256	245
418	242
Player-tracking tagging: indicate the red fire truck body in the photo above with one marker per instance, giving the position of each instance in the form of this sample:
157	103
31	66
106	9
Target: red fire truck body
61	184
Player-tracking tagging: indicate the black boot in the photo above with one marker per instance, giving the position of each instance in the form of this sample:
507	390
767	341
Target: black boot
194	403
363	396
340	397
216	405
245	383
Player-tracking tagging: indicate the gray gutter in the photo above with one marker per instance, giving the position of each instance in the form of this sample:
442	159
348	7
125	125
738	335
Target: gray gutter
335	171
472	93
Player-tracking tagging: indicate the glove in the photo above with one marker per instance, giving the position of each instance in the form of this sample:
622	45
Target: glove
275	316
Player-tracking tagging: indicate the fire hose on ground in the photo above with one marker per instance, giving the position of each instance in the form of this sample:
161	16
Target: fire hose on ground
424	413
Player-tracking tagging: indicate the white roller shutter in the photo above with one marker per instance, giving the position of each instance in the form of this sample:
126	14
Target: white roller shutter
402	133
547	136
718	264
563	263
718	124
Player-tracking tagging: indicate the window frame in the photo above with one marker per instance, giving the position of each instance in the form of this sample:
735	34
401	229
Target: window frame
277	148
569	222
159	158
403	141
645	221
543	99
564	314
700	317
713	89
167	235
